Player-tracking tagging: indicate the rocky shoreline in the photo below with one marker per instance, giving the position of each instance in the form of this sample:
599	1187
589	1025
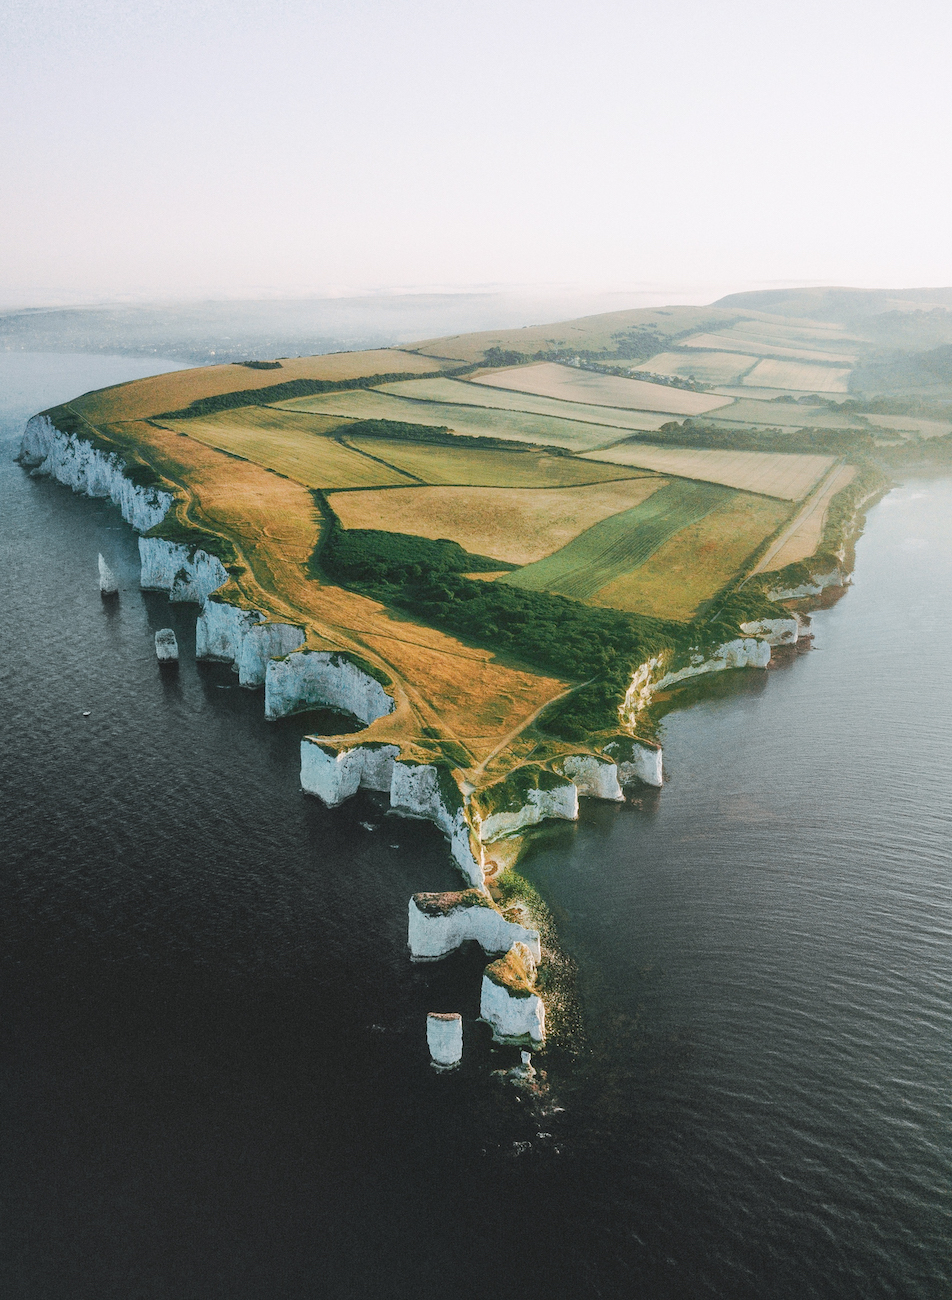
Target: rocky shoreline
485	826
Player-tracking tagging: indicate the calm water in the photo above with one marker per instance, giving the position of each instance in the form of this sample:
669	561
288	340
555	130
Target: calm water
215	1079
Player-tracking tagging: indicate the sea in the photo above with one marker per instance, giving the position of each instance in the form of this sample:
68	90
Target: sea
215	1083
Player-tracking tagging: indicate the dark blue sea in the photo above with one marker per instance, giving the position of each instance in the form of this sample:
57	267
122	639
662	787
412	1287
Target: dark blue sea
215	1082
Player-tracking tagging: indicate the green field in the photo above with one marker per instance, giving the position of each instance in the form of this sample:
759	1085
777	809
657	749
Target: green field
289	446
620	543
370	404
458	392
474	467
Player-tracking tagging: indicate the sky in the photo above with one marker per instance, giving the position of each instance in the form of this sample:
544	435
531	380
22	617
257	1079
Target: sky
157	148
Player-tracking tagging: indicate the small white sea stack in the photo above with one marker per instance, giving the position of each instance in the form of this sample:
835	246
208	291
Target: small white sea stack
166	646
444	1037
108	582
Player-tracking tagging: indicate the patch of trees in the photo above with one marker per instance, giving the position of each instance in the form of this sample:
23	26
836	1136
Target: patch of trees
260	365
440	435
696	433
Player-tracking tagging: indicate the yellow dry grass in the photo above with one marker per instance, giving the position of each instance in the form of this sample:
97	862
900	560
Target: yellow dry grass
517	525
797	376
462	393
549	379
145	397
459	466
291	445
697	562
775	474
802	538
273	523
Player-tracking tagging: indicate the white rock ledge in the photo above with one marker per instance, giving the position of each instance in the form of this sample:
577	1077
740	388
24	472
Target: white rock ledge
76	462
441	923
108	583
320	677
244	638
652	676
168	566
166	646
775	631
508	1001
334	774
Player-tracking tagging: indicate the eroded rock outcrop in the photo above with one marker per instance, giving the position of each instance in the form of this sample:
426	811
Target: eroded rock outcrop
334	772
306	678
108	582
185	574
244	638
525	797
444	1038
594	778
74	461
813	585
509	1001
440	923
637	760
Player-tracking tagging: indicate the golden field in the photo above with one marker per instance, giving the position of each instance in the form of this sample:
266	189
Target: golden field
462	392
695	564
516	525
171	392
801	539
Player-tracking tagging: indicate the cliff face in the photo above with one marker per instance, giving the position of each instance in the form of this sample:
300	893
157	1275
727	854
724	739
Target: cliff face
524	798
168	566
308	677
416	791
334	774
637	760
440	923
593	777
508	1000
775	631
652	676
243	638
83	467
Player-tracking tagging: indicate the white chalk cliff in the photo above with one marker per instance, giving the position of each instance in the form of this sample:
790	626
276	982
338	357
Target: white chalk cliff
440	923
637	760
334	774
508	808
594	778
775	631
416	790
652	676
76	462
308	677
508	1000
166	646
244	638
171	567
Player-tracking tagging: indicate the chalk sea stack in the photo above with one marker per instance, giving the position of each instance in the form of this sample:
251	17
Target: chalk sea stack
108	583
166	646
444	1037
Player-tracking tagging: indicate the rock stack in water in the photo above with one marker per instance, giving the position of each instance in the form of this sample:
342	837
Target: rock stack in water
108	583
444	1037
166	646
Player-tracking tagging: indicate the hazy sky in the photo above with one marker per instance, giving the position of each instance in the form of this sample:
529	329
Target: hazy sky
157	147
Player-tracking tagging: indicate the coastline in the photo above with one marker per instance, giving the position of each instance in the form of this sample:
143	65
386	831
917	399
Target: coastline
487	828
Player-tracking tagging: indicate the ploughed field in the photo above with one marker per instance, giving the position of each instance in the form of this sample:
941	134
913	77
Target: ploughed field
337	484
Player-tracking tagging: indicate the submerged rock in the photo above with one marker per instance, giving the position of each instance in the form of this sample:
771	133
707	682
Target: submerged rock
166	646
108	582
444	1037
